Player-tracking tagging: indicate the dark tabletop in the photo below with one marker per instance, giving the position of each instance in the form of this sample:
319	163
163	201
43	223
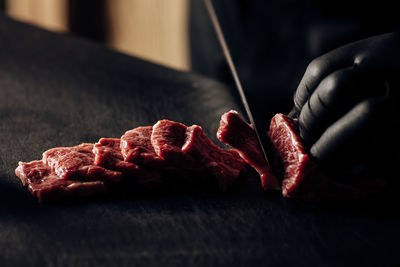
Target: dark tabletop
56	90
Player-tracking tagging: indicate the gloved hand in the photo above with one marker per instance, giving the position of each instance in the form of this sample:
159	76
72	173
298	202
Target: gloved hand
346	106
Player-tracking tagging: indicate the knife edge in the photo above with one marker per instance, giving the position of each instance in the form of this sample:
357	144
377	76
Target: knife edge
228	57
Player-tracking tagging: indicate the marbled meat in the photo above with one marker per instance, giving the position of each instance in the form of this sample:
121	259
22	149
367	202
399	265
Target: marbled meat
77	162
166	155
47	186
234	131
298	174
224	164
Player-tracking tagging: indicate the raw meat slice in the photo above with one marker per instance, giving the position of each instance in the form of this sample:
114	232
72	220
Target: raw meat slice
181	169
167	139
225	165
182	158
136	147
108	155
234	131
301	177
292	162
46	186
77	163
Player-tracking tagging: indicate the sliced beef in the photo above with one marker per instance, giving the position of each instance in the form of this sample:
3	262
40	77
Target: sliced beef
77	163
234	131
194	155
167	139
180	169
169	155
300	175
290	157
223	164
46	186
136	147
108	155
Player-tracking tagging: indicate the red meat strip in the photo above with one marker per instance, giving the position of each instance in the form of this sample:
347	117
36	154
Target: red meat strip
301	177
77	163
193	154
108	155
167	139
292	161
136	147
169	154
234	131
181	169
46	186
225	165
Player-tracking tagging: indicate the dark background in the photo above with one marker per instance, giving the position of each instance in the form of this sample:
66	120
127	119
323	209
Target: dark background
272	42
59	90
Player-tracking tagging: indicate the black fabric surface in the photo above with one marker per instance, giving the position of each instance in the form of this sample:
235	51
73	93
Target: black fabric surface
56	90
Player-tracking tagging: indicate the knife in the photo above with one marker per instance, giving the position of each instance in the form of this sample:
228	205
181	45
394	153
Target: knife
232	68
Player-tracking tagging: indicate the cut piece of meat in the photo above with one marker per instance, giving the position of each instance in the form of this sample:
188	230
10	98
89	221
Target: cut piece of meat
108	155
180	169
182	158
167	139
136	147
291	160
234	131
225	165
77	163
46	186
300	175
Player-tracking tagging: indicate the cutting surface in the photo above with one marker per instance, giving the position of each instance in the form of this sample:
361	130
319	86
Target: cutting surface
57	90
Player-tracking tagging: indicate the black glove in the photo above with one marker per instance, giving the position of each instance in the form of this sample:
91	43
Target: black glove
346	106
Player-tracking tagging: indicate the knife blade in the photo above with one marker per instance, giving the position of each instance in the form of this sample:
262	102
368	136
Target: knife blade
232	68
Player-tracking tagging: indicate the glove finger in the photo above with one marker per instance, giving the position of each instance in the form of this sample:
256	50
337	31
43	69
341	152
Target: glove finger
317	70
354	143
334	96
